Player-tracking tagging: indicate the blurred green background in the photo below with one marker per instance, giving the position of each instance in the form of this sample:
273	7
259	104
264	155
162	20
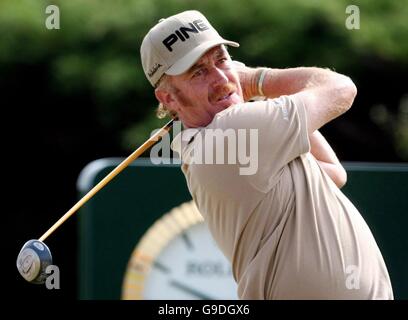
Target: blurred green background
78	93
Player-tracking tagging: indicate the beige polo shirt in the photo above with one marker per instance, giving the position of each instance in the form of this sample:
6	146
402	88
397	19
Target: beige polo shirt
287	229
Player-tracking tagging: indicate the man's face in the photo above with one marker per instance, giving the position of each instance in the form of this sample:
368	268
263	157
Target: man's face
208	87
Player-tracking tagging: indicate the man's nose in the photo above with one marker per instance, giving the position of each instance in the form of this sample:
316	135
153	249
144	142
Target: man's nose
218	76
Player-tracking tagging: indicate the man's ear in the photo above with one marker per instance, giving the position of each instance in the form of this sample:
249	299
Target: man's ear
165	97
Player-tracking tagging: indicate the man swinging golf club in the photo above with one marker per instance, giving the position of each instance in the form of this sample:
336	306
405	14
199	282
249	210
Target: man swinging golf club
287	229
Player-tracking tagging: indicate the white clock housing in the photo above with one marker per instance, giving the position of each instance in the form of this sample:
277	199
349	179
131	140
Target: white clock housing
177	259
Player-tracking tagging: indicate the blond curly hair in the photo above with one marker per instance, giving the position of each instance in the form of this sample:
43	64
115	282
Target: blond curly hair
161	110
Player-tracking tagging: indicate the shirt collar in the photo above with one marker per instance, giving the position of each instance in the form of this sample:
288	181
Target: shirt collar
183	139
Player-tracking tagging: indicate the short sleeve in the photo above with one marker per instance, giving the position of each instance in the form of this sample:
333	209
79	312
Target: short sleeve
281	127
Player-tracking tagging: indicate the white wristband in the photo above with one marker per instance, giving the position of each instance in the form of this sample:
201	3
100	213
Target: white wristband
260	82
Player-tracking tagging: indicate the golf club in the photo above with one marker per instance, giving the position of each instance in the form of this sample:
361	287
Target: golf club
35	256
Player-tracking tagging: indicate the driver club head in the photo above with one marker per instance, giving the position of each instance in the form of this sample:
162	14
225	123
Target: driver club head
33	260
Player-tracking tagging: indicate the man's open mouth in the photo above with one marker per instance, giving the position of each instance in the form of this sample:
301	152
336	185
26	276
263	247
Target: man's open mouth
225	97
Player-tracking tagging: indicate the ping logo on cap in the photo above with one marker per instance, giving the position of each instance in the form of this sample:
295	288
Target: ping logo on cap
175	43
183	33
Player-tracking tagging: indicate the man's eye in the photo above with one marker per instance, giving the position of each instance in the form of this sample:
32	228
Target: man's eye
224	62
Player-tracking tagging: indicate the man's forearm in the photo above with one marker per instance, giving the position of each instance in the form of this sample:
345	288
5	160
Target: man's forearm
278	82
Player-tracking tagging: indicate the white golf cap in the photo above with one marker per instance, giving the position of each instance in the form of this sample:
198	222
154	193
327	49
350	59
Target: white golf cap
174	44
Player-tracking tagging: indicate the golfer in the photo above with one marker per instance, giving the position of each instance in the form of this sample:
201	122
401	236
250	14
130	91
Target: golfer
285	226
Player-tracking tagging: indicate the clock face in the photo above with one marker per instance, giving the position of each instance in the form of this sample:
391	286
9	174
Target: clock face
191	267
178	259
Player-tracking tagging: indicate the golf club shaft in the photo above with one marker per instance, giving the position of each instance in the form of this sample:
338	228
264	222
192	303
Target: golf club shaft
151	141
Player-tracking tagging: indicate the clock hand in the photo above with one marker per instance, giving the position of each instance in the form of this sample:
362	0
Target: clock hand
189	290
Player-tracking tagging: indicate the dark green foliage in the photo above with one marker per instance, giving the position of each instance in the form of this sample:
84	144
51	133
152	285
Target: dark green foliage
93	59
